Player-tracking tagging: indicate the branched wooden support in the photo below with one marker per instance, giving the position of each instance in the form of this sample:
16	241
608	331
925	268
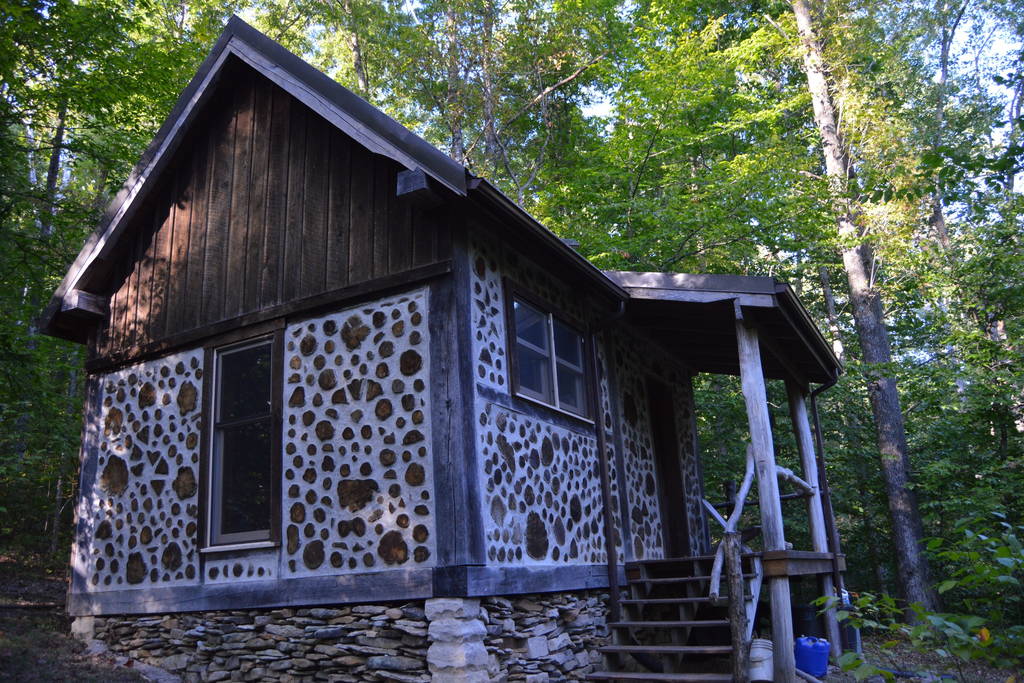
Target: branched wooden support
729	525
729	553
786	474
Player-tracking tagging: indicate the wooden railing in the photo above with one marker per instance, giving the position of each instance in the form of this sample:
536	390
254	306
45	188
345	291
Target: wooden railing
729	553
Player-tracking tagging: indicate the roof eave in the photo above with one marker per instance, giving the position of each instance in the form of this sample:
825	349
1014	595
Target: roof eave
750	292
497	201
800	318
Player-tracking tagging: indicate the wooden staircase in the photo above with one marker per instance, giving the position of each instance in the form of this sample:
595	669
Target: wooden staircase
670	629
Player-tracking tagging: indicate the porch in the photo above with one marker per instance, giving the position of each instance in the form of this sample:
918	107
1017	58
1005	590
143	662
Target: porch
681	613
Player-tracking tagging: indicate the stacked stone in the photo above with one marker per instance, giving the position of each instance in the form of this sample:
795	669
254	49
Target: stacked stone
546	637
457	653
344	644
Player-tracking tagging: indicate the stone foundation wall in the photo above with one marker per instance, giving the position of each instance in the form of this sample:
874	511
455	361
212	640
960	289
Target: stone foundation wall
546	637
358	643
535	638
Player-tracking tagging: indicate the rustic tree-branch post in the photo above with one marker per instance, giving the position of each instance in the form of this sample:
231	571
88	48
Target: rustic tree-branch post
815	511
756	399
737	610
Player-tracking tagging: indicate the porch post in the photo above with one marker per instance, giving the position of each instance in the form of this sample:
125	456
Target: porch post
815	513
756	399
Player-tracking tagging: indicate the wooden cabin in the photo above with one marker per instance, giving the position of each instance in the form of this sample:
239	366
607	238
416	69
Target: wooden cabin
339	386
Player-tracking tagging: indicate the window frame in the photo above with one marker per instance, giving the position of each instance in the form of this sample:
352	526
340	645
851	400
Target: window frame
211	540
514	293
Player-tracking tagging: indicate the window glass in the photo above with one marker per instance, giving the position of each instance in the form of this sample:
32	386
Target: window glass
243	446
570	389
549	359
534	372
567	344
531	326
244	383
245	477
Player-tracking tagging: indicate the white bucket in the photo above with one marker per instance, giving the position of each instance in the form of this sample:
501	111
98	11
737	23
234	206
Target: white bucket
761	664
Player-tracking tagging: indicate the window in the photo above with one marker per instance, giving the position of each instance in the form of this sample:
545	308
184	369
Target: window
243	445
548	359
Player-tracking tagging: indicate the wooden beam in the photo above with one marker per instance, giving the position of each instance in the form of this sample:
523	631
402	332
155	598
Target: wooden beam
815	510
798	563
795	375
699	297
756	399
84	305
293	310
414	583
414	187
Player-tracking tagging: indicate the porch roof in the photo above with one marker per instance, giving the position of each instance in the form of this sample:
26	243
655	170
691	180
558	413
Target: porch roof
694	316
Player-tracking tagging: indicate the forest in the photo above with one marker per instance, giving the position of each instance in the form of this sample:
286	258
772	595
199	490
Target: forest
867	153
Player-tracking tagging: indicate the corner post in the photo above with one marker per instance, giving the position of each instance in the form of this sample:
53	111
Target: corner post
756	398
815	512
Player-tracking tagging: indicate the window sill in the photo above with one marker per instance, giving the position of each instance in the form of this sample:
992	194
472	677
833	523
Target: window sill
556	409
234	547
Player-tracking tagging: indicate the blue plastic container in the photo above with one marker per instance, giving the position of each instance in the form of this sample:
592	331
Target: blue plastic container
812	655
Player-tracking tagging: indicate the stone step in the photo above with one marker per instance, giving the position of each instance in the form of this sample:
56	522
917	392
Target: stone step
673	678
667	649
699	623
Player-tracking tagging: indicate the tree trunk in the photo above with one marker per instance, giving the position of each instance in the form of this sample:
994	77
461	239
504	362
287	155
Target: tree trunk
948	32
58	501
491	150
44	222
1013	136
869	318
453	101
357	49
830	310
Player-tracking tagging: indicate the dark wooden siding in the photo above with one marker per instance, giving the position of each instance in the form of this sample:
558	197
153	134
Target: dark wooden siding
265	203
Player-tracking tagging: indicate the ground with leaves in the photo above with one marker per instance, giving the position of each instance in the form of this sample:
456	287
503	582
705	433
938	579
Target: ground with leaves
34	628
900	656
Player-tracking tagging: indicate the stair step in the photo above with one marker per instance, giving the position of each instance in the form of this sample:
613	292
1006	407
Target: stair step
665	601
700	623
673	678
668	649
669	579
676	579
690	558
675	601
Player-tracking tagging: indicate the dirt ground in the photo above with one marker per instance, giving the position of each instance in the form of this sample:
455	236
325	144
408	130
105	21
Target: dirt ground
34	640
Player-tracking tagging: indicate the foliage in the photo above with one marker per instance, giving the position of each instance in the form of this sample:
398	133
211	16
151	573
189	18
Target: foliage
986	570
985	562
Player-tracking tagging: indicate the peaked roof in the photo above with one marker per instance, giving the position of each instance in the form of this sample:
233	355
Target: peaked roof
353	115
